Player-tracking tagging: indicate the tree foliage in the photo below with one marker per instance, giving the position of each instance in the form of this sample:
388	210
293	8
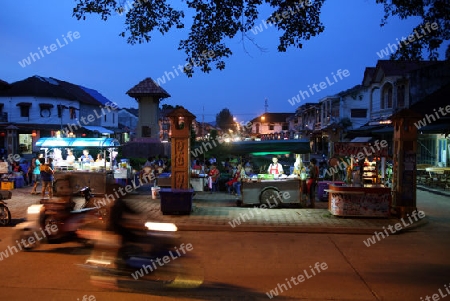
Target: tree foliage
224	120
214	22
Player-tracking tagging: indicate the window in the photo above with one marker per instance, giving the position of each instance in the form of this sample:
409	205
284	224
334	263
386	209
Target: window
73	113
285	127
358	113
146	131
386	97
24	109
271	127
401	96
257	128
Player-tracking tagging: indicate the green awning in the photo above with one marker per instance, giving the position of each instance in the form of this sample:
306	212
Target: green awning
268	147
77	142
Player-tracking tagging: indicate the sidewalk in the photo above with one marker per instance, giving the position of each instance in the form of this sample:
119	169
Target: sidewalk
218	212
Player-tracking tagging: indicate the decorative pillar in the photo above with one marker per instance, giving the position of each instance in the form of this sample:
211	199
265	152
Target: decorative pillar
180	123
404	169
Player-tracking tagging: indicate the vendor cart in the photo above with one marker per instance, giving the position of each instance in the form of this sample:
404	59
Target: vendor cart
266	190
363	194
97	175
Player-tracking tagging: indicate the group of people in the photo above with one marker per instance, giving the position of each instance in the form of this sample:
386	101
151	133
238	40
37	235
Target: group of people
42	172
154	166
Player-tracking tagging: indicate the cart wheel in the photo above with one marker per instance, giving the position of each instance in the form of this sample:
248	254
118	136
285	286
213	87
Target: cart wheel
270	196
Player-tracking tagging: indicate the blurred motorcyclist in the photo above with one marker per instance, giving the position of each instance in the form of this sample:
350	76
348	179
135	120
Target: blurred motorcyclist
121	221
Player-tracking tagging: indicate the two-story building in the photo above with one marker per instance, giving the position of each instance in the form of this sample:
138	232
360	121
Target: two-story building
271	126
47	107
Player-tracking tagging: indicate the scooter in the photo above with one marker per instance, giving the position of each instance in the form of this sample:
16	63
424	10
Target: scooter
151	253
55	220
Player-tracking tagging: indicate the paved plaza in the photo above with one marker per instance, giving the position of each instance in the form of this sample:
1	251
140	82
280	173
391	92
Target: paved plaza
218	212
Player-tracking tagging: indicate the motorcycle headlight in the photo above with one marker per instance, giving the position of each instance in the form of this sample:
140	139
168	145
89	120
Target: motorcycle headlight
34	209
167	227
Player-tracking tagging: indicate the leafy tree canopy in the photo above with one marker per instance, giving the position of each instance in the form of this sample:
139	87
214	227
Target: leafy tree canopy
224	120
216	21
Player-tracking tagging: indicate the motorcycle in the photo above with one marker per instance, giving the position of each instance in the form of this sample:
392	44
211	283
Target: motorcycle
5	214
139	255
55	220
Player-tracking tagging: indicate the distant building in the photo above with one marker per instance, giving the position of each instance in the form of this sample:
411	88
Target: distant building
270	126
49	107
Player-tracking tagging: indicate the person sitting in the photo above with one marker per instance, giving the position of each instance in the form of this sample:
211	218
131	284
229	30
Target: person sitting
150	162
236	181
100	159
147	174
86	157
213	178
196	165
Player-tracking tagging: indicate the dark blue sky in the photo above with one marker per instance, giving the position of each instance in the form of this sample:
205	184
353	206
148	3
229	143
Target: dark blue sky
101	60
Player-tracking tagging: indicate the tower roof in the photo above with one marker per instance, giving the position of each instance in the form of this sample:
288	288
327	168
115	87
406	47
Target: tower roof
148	87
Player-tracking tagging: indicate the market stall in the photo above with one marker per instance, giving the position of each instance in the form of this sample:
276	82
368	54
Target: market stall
97	174
268	189
363	194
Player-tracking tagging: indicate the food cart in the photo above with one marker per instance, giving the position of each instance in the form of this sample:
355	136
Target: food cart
266	189
363	194
96	175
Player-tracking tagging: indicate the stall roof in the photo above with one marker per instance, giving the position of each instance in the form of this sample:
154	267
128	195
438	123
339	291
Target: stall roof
270	147
77	142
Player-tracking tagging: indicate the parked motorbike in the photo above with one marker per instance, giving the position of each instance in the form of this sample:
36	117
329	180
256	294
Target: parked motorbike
139	255
55	220
5	214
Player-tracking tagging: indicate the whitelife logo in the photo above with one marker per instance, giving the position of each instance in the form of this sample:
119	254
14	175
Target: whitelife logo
165	260
302	95
49	49
432	117
319	267
398	226
391	48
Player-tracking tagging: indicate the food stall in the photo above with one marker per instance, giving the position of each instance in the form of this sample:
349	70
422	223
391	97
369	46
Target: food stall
97	175
362	195
266	189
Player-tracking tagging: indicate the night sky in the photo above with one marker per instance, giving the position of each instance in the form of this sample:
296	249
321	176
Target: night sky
96	56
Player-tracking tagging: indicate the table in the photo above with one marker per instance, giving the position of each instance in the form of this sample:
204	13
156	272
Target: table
199	183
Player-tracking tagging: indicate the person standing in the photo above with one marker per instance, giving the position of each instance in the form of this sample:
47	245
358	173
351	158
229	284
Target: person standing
213	177
275	168
70	157
312	182
46	177
35	164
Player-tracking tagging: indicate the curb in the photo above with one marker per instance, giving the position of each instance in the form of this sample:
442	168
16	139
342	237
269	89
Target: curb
297	229
435	191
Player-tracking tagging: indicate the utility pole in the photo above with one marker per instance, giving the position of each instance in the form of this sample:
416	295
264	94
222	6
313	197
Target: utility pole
266	105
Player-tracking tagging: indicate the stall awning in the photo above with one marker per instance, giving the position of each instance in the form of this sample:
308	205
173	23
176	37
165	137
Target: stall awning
77	142
269	147
99	129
